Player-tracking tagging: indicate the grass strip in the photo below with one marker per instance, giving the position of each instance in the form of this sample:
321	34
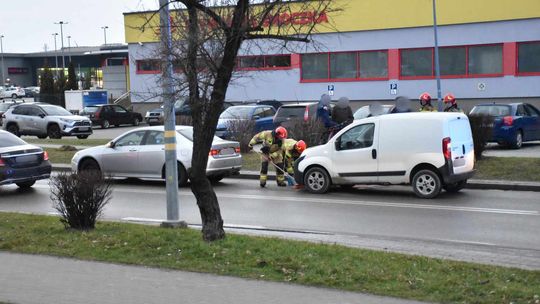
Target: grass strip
67	141
57	156
322	265
508	168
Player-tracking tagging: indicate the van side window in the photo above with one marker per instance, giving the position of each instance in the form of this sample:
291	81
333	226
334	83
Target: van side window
357	138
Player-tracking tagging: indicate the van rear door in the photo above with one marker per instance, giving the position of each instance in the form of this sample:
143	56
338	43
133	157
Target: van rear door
461	144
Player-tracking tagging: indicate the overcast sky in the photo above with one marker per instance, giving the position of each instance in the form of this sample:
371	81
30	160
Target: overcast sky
27	25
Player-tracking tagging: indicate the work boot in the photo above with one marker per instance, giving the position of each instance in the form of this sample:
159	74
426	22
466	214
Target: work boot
282	184
263	184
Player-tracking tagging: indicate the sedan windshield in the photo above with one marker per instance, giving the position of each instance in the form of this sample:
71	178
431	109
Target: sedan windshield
237	113
55	111
491	110
10	140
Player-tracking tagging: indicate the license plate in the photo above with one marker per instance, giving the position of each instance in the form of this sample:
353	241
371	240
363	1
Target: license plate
227	151
84	129
26	159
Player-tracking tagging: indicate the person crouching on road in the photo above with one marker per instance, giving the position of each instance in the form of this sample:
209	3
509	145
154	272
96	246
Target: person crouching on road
425	103
450	104
272	142
292	150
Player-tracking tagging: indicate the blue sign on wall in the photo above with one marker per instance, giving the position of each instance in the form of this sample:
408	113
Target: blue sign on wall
94	98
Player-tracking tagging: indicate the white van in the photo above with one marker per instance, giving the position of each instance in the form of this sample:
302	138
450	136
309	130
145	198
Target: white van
430	151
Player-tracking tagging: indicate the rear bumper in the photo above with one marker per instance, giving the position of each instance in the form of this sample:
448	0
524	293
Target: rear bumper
154	119
504	134
10	175
224	166
450	177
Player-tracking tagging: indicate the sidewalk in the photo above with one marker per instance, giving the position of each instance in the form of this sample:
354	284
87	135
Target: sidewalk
471	184
42	279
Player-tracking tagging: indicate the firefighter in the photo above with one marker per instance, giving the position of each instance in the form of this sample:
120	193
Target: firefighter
450	104
425	103
291	151
272	142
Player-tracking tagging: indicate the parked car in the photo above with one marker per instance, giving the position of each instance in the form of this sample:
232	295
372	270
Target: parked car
20	163
394	149
31	91
4	106
289	112
365	111
11	92
44	120
262	115
139	153
513	123
267	102
106	115
181	108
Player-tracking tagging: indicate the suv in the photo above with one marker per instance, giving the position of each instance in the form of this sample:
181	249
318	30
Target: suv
107	115
11	92
286	114
260	115
44	120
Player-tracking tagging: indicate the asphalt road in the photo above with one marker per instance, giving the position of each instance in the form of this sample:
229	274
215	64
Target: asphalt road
489	221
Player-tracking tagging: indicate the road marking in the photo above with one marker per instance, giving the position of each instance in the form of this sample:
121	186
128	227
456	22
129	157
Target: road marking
338	202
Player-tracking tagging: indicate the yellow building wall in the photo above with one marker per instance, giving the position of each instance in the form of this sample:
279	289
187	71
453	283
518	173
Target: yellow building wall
362	15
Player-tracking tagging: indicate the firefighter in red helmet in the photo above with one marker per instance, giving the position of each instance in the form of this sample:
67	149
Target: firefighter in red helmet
272	141
425	103
450	104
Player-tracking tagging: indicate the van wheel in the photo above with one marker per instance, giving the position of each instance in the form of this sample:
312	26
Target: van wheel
518	141
53	131
317	180
455	187
426	184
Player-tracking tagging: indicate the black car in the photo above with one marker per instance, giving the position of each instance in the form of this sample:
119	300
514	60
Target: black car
20	163
107	115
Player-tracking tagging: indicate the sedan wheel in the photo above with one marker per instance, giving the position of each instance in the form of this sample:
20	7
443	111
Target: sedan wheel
90	165
518	142
317	180
426	184
105	124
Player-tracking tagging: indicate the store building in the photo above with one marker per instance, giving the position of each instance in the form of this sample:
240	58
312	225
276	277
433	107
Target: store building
376	50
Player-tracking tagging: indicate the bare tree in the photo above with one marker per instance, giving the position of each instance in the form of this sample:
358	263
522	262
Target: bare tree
207	37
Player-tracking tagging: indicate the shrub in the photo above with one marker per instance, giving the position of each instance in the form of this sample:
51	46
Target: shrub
241	130
481	127
80	198
312	131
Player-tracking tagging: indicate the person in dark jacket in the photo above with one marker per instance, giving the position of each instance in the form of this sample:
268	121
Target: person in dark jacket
342	112
323	111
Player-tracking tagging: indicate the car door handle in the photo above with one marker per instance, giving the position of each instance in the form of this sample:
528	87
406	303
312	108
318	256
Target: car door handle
132	150
374	153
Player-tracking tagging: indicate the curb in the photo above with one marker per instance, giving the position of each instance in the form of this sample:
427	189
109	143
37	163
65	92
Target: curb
471	184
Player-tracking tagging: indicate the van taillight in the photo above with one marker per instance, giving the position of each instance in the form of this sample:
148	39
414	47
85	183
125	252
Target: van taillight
446	148
508	120
306	114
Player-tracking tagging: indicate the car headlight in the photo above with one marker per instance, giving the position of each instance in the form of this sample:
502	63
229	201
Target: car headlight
67	121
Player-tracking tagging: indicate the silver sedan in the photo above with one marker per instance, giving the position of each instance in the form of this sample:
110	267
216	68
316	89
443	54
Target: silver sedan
140	153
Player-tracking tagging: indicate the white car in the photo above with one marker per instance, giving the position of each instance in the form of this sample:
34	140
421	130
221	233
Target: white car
430	151
140	153
11	92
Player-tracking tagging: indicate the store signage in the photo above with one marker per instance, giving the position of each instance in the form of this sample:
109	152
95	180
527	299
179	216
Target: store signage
296	18
17	70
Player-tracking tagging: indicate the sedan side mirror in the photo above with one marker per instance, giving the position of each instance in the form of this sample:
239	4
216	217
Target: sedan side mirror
111	144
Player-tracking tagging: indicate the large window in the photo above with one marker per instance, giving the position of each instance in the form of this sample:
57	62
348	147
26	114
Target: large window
462	61
485	59
369	65
529	58
149	66
268	62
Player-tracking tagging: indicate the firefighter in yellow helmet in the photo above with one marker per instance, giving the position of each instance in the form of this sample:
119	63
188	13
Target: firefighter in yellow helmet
291	151
425	103
272	142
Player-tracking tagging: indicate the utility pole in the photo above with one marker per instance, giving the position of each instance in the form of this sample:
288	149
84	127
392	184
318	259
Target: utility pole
69	48
437	64
55	54
62	43
105	33
2	51
171	168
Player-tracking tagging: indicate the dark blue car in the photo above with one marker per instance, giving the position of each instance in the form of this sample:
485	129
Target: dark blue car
261	115
513	123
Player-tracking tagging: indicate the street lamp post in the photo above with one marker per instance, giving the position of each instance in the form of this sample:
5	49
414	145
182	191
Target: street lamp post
105	33
69	48
2	52
55	54
62	43
437	65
